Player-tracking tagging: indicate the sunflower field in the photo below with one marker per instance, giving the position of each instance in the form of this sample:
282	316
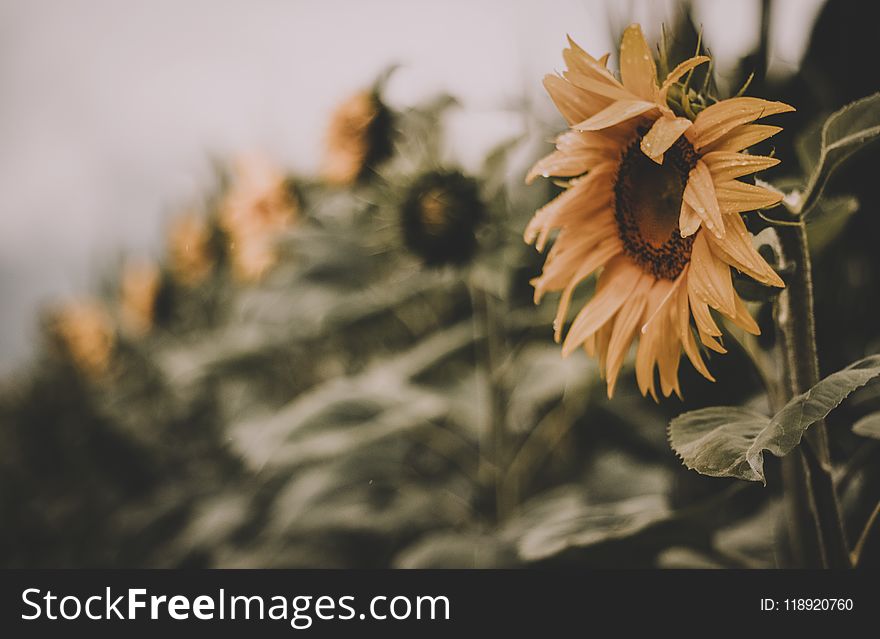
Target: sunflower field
640	335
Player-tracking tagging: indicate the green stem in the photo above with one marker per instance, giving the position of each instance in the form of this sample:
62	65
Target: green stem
863	538
493	444
816	529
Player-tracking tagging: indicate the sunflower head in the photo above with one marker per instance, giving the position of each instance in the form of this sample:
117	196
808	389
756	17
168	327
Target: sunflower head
259	204
190	257
654	204
138	295
84	332
439	216
358	136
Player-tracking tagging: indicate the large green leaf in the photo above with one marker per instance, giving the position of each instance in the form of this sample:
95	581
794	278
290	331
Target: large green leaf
868	426
727	441
716	441
844	132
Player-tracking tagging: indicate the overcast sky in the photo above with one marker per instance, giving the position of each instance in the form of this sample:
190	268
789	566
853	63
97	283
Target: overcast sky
111	110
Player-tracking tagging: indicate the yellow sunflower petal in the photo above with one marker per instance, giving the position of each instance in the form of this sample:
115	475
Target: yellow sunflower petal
578	60
709	278
624	329
736	197
742	137
725	165
668	357
688	221
573	103
576	153
663	135
583	198
700	194
637	70
602	92
646	352
596	259
722	117
613	114
571	251
736	248
616	283
744	319
689	344
676	74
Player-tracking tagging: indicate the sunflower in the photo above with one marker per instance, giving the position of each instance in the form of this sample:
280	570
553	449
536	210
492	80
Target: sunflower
654	205
138	293
358	136
439	216
189	249
84	331
258	206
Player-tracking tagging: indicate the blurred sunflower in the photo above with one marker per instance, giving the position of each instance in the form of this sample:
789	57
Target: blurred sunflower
84	331
258	206
358	136
138	293
655	205
189	249
439	217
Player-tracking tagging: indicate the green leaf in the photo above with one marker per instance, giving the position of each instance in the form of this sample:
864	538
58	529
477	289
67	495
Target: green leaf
808	145
730	441
868	426
716	441
828	219
812	406
564	522
844	132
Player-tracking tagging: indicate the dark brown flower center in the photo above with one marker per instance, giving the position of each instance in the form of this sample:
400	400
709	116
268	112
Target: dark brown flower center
647	198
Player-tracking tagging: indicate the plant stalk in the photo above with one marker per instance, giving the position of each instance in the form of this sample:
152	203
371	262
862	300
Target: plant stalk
815	525
493	444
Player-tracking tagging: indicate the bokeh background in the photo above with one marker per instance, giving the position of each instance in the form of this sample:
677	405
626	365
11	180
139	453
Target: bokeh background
113	112
336	413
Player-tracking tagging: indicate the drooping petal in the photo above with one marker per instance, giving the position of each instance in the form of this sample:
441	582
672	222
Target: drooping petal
724	116
615	113
736	197
742	137
737	249
663	135
700	194
616	283
744	319
598	258
669	355
726	166
625	324
709	278
637	70
689	344
676	74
